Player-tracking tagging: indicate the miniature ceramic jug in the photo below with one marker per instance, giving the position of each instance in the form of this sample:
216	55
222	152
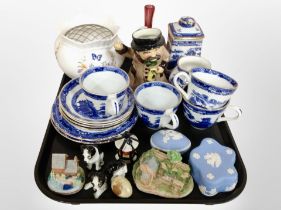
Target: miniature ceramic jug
86	46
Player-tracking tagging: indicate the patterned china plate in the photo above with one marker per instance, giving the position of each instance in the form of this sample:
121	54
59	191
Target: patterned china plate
89	136
76	107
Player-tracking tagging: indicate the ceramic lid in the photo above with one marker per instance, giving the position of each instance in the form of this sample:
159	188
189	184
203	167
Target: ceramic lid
186	27
213	167
167	140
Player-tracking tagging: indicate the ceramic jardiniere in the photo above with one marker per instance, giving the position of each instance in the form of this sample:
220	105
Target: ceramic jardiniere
185	38
105	88
201	118
157	103
186	64
207	88
86	46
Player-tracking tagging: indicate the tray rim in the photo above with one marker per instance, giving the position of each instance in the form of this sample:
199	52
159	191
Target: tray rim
160	200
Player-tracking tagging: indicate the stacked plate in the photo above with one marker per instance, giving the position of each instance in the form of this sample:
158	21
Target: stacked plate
74	118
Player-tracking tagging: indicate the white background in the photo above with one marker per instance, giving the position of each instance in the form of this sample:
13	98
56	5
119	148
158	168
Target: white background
242	40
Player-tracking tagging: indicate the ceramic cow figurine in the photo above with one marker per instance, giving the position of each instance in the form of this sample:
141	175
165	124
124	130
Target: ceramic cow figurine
92	156
148	54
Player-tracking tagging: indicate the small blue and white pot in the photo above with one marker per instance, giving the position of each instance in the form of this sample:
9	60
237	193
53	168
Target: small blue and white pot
157	103
207	88
186	64
201	118
105	89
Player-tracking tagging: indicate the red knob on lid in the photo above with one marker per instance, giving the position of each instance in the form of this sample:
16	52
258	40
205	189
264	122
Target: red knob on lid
148	15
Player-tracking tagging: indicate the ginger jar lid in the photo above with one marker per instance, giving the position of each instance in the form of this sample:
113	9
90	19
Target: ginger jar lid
186	28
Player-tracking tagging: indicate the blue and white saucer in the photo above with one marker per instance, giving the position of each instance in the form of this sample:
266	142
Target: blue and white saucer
89	136
75	106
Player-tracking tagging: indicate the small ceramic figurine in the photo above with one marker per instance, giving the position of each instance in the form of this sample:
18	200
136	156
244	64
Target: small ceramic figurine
163	174
66	176
148	54
126	147
120	185
92	156
98	183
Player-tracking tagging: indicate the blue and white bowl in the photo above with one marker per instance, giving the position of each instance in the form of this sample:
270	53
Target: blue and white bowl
207	88
157	103
212	167
105	89
168	140
201	118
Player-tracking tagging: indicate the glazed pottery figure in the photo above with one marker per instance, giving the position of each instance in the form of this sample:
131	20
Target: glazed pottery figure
66	176
98	183
148	54
92	156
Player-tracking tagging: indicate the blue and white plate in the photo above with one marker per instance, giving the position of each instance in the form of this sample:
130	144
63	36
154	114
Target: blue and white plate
89	136
75	106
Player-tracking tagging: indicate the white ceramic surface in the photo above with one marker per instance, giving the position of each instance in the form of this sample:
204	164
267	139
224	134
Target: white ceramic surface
186	64
75	57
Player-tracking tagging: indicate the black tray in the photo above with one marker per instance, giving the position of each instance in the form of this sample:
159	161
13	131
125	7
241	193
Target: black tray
55	143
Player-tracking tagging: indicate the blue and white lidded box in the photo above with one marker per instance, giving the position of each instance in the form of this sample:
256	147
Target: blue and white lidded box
185	37
168	140
213	167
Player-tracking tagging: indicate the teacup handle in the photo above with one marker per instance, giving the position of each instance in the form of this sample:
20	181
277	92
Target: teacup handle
112	104
174	118
186	78
238	111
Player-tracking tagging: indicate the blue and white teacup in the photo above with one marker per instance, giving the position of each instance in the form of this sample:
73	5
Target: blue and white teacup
186	64
202	118
157	103
105	89
207	88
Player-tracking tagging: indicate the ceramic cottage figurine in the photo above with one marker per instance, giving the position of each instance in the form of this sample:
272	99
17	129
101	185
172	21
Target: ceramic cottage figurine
185	37
162	174
148	54
213	167
92	156
66	176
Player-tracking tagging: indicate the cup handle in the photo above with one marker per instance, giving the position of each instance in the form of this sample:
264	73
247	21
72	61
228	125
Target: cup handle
112	104
174	118
175	81
238	111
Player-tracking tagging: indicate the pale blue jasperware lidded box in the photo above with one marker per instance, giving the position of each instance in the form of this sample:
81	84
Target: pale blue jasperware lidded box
213	167
167	140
